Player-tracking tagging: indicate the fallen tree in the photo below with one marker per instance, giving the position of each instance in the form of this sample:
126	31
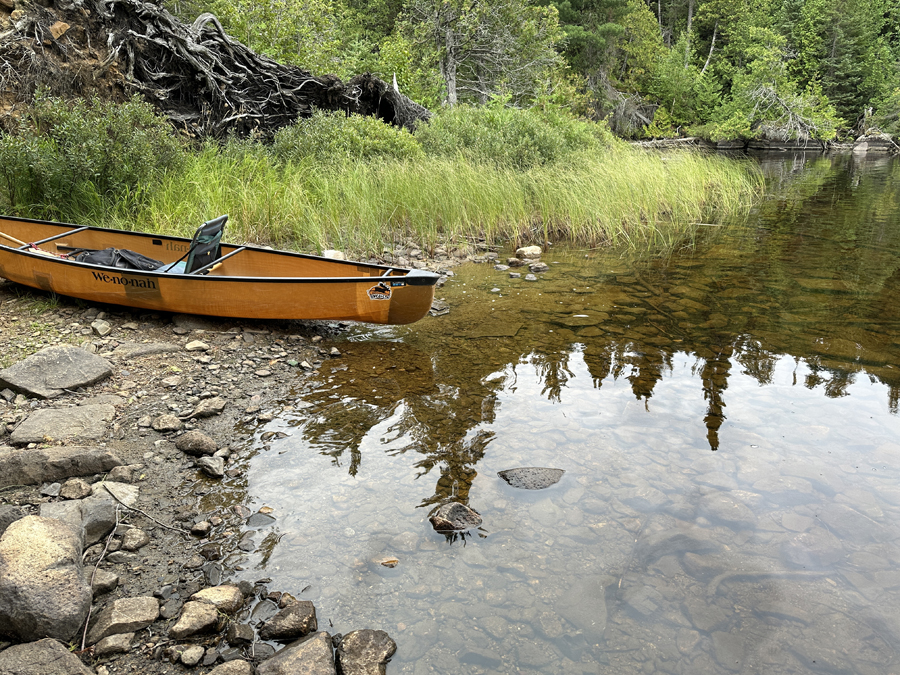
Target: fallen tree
206	82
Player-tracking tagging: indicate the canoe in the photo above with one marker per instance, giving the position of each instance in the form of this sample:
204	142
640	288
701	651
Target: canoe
243	281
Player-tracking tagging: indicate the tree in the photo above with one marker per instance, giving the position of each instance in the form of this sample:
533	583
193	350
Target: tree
485	49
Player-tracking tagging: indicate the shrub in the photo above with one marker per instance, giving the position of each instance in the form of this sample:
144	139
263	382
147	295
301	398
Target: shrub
509	137
332	137
73	158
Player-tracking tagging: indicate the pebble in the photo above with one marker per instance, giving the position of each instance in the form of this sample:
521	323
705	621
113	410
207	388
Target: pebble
196	346
530	277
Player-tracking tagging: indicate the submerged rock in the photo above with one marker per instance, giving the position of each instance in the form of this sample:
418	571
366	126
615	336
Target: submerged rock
454	517
532	477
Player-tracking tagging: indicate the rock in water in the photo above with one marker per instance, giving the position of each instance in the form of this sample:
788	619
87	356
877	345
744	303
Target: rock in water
531	477
365	652
454	517
43	588
313	655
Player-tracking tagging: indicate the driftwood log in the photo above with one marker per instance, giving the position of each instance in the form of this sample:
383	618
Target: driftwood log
206	82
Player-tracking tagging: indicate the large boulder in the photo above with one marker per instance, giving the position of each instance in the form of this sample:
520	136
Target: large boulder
44	591
44	657
312	655
365	652
52	370
81	424
53	464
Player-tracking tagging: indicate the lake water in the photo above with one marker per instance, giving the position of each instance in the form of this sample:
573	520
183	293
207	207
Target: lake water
727	420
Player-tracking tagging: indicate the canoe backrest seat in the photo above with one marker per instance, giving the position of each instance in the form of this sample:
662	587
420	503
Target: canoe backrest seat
205	246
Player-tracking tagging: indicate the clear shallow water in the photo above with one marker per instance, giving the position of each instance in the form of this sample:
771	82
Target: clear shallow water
727	420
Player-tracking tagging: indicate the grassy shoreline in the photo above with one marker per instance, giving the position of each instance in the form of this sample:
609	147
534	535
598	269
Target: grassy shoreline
623	197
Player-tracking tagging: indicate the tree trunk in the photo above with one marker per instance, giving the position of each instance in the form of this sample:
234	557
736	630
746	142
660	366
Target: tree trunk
449	68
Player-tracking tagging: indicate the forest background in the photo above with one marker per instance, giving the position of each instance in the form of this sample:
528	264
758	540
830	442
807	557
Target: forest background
777	69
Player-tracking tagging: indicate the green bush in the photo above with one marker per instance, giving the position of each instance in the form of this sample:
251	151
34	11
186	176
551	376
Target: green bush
70	159
333	137
509	137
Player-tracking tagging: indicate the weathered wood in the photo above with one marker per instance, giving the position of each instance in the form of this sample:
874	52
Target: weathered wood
205	81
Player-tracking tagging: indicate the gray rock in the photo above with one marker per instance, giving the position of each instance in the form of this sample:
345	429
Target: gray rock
239	634
119	643
81	423
75	488
816	549
132	350
51	490
121	474
126	615
311	655
192	655
135	539
39	465
652	547
366	652
123	558
44	657
101	328
43	588
209	407
721	507
539	267
93	516
196	618
104	582
453	517
531	477
729	650
213	467
166	423
233	668
226	598
54	369
8	515
196	443
528	252
530	277
295	620
584	605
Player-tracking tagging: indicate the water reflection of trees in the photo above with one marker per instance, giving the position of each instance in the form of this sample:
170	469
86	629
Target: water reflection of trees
815	276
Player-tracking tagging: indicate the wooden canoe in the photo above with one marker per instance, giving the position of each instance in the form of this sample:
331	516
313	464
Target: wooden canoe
250	282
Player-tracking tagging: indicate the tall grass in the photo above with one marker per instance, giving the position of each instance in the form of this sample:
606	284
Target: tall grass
623	196
333	181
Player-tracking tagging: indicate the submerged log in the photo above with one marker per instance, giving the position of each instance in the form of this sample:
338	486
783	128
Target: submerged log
197	75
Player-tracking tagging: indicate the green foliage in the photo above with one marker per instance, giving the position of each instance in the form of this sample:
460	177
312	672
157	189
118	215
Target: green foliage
887	114
303	32
334	137
75	159
509	137
685	95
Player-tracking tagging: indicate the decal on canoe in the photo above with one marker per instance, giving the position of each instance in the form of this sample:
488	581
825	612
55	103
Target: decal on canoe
124	281
395	284
380	292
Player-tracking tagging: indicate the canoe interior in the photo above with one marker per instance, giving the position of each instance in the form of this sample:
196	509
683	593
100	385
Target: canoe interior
255	283
252	262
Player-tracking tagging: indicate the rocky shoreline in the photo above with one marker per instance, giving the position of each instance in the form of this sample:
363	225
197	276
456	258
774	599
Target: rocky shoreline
113	424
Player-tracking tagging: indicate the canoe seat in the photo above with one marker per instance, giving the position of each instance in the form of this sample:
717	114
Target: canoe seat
205	248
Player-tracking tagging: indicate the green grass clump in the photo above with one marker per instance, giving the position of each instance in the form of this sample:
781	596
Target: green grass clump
73	159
